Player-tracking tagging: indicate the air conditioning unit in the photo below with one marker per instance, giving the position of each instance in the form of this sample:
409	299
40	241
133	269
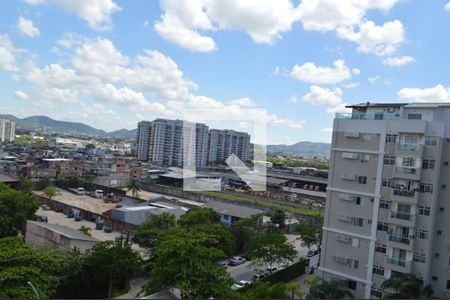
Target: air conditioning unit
354	135
345	218
347	197
348	177
350	155
343	238
341	259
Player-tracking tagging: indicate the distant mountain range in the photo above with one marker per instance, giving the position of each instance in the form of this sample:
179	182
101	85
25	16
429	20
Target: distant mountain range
43	123
302	148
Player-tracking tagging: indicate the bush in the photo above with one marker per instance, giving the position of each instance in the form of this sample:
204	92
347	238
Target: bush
289	273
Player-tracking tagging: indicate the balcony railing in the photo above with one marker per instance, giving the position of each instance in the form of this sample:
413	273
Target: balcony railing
401	215
408	147
364	116
399	239
396	261
406	170
403	193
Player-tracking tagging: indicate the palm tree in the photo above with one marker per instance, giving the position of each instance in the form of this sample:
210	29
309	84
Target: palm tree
294	289
323	289
86	230
133	186
406	286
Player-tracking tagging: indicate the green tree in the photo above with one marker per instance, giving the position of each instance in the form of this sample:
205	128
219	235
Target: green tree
263	290
270	248
406	286
49	192
16	208
150	233
43	267
43	183
133	186
89	146
25	185
198	216
323	289
294	290
111	264
278	217
188	262
86	230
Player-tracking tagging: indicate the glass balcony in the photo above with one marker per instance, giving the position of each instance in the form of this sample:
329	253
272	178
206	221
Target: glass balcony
408	147
401	215
396	261
403	193
364	116
399	239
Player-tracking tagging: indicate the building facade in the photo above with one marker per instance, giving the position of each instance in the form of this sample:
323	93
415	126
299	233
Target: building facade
7	130
387	207
223	143
162	142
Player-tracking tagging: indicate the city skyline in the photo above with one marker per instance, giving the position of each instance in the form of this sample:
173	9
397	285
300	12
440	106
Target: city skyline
113	63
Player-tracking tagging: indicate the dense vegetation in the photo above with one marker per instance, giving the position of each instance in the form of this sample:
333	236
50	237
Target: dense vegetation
318	164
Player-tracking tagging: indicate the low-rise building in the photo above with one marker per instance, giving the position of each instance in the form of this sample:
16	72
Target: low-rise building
230	213
65	238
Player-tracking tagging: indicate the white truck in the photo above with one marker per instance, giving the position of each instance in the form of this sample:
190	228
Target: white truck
98	193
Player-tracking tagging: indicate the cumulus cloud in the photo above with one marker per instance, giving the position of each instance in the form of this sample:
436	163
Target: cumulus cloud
27	28
311	73
293	99
96	13
434	94
332	99
8	53
398	61
380	40
351	85
21	95
184	22
327	129
447	6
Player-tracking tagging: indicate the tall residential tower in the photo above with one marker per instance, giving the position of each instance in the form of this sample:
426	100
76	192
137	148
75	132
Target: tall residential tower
7	130
388	197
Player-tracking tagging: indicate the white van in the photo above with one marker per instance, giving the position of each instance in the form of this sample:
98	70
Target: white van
81	191
98	193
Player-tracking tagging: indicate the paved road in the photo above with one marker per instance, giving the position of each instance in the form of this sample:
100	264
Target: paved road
135	288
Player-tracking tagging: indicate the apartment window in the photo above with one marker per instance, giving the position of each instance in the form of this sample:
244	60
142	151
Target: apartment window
439	232
419	257
380	248
362	179
379	270
428	164
411	139
385	204
423	210
357	221
445	163
391	138
358	200
376	293
389	160
426	188
408	162
422	234
364	158
436	254
441	209
414	116
448	284
431	140
387	182
355	264
351	284
444	186
434	278
381	226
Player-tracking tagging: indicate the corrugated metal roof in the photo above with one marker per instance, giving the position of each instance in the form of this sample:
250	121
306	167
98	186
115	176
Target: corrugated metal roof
234	210
66	231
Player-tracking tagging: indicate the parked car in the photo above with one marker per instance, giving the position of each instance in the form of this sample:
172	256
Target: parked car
107	229
271	269
257	276
45	207
78	218
240	284
312	253
236	260
70	214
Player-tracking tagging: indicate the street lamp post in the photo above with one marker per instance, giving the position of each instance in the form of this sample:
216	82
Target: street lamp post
34	290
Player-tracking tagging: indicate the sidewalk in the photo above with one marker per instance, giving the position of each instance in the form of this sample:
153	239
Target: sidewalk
304	289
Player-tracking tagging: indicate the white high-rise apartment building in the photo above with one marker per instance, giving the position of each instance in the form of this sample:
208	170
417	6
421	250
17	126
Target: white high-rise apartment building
7	130
388	197
223	143
161	142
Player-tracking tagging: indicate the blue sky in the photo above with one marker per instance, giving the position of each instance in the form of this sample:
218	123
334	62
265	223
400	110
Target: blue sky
112	63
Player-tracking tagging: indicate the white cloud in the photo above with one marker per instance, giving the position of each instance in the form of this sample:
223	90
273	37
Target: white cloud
311	73
351	85
323	96
184	22
373	79
294	99
243	102
27	28
447	6
398	61
379	40
7	54
21	95
96	13
327	130
434	94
